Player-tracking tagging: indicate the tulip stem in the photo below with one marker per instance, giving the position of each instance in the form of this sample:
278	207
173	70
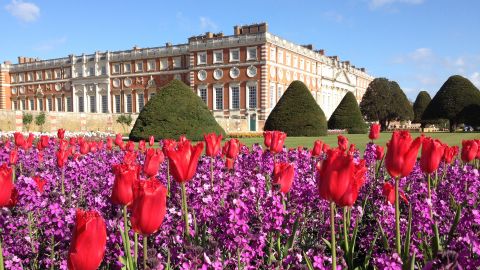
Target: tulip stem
127	239
2	267
211	171
345	230
145	252
13	173
63	180
397	219
135	247
185	211
332	229
168	177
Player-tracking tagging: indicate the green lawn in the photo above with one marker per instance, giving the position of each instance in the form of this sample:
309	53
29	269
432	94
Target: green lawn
360	140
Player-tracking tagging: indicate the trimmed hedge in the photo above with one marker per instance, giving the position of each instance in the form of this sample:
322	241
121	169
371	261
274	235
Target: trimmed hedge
347	116
297	113
175	110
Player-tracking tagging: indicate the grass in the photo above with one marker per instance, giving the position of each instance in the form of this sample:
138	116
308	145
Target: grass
360	140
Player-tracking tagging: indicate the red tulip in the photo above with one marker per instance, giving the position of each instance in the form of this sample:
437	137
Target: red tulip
62	145
351	150
93	147
342	143
118	139
39	182
30	140
44	139
142	146
148	207
339	178
378	152
274	140
40	157
153	159
13	199
213	144
478	149
402	153
19	139
283	174
72	141
151	141
317	148
184	160
130	147
325	148
88	242
39	146
432	153
84	148
61	133
389	193
130	158
62	157
13	158
100	145
374	132
450	153
125	177
231	149
6	184
109	143
167	144
469	150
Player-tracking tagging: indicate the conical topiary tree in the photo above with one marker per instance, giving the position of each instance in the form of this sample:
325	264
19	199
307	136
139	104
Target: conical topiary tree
419	106
347	116
297	113
452	100
175	111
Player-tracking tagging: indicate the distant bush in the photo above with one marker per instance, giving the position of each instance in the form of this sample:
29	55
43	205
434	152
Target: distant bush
27	119
347	116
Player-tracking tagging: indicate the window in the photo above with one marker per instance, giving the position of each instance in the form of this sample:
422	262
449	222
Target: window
288	61
218	57
151	65
91	71
93	104
69	104
141	102
314	68
104	104
104	70
234	55
117	104
164	64
177	62
280	57
32	104
252	96
201	58
48	75
302	62
252	53
24	104
129	103
116	68
202	92
66	73
40	104
272	96
30	76
39	75
139	67
279	92
14	105
79	73
127	68
49	104
218	98
307	66
295	61
14	78
273	54
59	104
235	92
21	77
80	104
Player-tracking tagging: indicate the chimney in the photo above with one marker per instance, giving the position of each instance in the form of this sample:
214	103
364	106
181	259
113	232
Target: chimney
7	62
347	63
209	35
308	46
362	69
168	44
263	27
322	52
236	30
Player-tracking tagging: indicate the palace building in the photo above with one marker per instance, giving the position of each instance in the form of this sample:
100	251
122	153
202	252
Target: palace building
240	77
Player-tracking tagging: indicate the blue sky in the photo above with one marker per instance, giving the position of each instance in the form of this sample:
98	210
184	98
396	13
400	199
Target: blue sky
418	43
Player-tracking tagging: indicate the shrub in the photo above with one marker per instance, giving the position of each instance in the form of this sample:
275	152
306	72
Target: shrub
125	121
175	111
297	113
27	119
40	120
347	116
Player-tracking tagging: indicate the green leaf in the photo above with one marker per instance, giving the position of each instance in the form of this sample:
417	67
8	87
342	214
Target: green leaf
329	245
366	262
406	251
453	228
307	260
291	238
384	237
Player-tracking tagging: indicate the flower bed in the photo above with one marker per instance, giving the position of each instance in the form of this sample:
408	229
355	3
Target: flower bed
243	220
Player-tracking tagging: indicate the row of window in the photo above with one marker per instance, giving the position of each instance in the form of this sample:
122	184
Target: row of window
151	65
234	56
91	71
38	75
234	92
278	56
60	105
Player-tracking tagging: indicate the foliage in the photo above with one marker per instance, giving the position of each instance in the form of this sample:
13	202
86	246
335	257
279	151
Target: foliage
347	116
40	120
125	120
297	113
455	95
27	119
384	101
175	111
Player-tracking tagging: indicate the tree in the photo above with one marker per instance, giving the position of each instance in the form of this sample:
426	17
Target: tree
176	110
456	95
40	120
384	101
347	116
27	119
419	106
125	121
297	113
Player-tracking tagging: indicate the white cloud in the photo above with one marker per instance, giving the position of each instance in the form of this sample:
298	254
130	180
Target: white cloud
374	4
333	16
420	55
475	78
51	44
24	11
207	24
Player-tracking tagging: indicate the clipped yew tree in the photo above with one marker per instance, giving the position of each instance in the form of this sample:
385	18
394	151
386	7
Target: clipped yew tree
348	116
455	101
175	110
419	106
297	113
